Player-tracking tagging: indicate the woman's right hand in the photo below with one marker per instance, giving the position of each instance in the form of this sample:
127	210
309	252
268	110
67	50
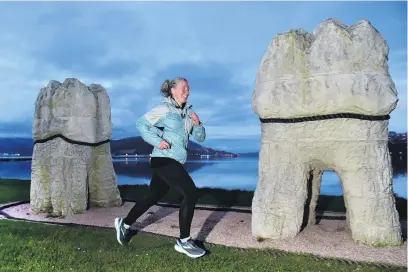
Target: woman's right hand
163	145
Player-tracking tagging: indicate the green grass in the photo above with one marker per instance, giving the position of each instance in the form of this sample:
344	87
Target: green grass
39	247
15	190
28	246
12	190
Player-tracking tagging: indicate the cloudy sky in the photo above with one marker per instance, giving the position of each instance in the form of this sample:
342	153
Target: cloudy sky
131	47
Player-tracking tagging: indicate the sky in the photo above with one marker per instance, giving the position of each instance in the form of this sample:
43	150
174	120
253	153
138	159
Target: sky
132	47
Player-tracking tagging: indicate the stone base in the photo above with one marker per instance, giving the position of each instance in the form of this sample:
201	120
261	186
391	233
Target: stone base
64	174
356	150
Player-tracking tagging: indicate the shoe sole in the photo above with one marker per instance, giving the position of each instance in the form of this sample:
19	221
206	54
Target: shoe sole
178	249
117	230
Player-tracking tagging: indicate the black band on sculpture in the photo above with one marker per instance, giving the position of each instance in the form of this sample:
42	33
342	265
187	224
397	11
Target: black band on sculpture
326	117
70	141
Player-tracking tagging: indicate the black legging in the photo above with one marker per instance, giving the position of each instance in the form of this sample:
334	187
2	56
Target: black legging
168	172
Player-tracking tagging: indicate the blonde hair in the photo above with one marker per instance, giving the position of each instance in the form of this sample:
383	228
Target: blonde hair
165	89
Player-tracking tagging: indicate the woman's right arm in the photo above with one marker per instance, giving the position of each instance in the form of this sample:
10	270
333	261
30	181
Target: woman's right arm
148	121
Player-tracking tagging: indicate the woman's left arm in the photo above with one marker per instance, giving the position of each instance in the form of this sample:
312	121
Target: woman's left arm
198	130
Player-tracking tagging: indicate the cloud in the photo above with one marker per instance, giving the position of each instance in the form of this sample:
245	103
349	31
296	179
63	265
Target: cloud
131	47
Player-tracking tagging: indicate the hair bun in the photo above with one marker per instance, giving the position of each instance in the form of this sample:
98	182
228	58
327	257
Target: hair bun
165	88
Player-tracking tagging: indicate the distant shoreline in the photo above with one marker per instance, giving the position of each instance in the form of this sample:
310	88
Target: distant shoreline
397	144
132	157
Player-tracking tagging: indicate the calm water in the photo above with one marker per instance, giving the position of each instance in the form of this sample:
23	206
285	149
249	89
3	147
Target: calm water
234	173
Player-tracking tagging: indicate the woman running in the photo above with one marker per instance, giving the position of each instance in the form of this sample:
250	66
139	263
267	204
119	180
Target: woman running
176	121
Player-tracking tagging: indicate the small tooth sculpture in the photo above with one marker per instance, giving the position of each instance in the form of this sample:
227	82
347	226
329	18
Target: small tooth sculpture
324	100
72	164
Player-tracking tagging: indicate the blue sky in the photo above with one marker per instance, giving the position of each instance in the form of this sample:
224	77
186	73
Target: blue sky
131	47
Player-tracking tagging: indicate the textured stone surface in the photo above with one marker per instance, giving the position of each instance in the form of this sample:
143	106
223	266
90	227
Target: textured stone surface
102	180
336	69
67	177
59	177
78	112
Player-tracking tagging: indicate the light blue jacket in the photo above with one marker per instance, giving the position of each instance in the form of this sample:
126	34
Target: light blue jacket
176	126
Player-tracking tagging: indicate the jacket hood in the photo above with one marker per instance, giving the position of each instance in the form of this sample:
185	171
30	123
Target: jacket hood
171	101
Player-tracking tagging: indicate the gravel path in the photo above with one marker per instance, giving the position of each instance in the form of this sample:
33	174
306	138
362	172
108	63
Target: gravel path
330	238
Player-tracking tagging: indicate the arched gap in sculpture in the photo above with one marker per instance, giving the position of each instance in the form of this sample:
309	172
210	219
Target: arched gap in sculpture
315	201
327	201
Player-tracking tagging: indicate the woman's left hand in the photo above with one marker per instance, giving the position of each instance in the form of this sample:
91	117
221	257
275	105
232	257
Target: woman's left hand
195	119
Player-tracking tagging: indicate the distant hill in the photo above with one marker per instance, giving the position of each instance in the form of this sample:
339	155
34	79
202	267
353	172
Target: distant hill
131	145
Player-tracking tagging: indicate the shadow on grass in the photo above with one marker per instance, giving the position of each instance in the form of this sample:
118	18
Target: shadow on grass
215	217
152	218
212	220
222	198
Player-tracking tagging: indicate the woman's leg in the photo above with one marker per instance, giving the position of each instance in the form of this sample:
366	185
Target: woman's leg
176	176
157	189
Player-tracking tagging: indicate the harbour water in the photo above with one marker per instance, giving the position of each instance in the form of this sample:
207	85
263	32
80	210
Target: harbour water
229	173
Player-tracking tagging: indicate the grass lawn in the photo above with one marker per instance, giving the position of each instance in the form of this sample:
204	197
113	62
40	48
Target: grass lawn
12	190
39	247
26	246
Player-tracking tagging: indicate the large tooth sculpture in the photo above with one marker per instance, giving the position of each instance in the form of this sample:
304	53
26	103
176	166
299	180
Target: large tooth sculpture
324	100
72	164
